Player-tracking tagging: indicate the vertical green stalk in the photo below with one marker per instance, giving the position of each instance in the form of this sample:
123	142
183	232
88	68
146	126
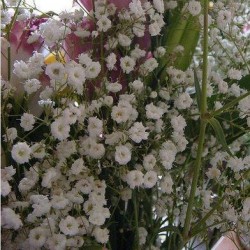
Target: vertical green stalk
203	124
136	238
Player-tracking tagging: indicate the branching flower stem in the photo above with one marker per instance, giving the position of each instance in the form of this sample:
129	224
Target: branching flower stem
203	124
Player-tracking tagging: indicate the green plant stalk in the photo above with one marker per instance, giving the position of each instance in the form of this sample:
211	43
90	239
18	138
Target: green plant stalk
136	239
203	124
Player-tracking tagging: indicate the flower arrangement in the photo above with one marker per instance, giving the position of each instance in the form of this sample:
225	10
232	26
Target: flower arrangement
125	124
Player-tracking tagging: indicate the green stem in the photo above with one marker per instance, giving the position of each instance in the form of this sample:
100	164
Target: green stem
203	125
136	239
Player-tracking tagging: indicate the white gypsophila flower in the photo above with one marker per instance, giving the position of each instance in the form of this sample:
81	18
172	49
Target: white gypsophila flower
22	70
150	179
65	149
115	138
246	209
194	7
126	194
178	123
124	40
55	71
224	17
96	151
120	114
83	33
98	215
183	101
148	66
149	162
122	154
93	70
27	121
139	30
78	167
53	31
167	158
134	178
31	86
235	163
5	188
159	52
137	132
223	87
60	129
166	184
136	8
234	74
171	5
213	173
9	219
137	53
56	242
180	140
84	186
137	85
37	237
113	87
101	235
46	95
127	64
76	77
11	135
159	5
154	112
244	106
95	127
142	235
21	152
104	24
38	150
41	205
111	61
33	37
69	226
49	176
7	173
59	201
235	90
84	59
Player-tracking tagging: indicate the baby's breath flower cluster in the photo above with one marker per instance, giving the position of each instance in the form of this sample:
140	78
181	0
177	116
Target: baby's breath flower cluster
100	126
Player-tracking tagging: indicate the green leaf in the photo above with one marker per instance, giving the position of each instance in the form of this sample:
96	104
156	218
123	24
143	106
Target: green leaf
244	82
219	134
230	104
197	89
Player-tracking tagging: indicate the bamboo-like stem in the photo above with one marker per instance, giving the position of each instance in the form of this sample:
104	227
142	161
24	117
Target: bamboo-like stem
203	124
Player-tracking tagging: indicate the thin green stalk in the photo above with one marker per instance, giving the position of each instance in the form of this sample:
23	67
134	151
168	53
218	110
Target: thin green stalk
136	239
203	125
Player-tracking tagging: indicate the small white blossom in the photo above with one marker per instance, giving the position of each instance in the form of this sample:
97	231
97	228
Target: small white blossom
69	226
21	152
138	132
10	220
27	121
134	178
127	64
194	7
122	154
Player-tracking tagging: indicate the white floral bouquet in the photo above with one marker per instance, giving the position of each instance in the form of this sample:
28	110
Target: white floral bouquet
125	124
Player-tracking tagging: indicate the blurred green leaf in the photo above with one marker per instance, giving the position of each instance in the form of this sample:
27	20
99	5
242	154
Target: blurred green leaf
244	82
219	134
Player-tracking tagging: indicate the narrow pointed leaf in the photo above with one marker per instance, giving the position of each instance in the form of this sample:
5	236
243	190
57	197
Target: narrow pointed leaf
219	134
230	104
197	90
